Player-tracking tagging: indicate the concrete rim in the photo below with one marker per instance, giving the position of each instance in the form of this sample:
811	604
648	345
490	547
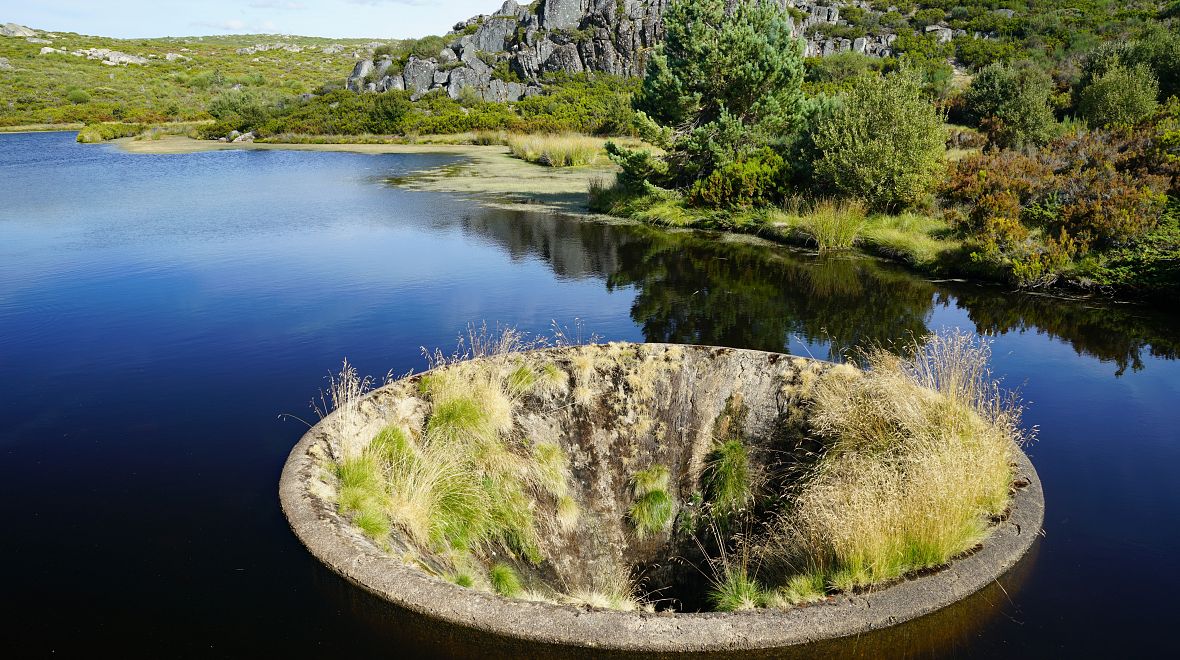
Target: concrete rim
318	526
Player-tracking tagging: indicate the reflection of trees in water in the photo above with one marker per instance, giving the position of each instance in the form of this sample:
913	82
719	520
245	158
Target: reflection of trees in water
1108	331
693	288
699	288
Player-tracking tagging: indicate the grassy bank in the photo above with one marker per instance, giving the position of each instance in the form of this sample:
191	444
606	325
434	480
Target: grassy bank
926	243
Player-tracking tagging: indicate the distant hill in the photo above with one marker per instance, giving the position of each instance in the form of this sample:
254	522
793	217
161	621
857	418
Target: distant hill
58	77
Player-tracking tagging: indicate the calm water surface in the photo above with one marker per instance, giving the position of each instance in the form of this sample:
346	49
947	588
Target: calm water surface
158	313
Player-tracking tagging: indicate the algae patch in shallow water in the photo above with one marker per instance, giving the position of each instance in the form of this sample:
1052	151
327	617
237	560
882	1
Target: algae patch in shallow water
616	476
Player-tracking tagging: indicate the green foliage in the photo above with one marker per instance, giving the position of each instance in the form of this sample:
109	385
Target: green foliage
592	104
162	90
1012	102
111	131
505	580
1120	96
728	479
653	509
756	179
735	591
723	86
883	144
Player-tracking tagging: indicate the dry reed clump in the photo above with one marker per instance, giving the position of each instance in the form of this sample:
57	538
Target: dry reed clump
918	465
566	150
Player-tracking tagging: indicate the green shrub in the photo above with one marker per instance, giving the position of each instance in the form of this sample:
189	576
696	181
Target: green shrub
78	96
109	131
756	179
1013	103
884	144
1121	96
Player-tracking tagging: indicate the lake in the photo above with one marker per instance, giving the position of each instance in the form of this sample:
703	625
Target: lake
161	314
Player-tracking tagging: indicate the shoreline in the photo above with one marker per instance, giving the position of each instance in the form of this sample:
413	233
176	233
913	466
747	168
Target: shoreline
489	171
503	181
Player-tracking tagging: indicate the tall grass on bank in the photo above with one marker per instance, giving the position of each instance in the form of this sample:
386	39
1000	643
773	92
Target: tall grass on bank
95	133
567	150
833	224
918	465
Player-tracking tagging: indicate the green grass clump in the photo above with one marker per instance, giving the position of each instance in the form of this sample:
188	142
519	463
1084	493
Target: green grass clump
728	478
363	496
833	225
521	380
505	580
802	589
736	591
464	580
654	508
456	418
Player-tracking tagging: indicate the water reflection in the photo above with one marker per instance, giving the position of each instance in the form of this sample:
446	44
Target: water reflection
694	287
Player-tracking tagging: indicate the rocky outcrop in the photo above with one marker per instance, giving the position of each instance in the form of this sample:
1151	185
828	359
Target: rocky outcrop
504	56
4	65
110	57
14	30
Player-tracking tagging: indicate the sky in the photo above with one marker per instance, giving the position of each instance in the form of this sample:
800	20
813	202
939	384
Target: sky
382	19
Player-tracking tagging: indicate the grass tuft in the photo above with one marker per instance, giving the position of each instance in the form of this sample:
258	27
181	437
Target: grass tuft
728	478
505	580
833	225
736	591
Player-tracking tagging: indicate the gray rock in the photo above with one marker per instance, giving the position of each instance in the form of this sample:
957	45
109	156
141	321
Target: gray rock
356	80
565	58
419	76
493	35
941	32
14	30
466	77
4	65
38	40
244	137
562	14
447	57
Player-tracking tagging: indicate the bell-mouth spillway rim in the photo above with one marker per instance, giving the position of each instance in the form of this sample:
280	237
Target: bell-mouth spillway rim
320	529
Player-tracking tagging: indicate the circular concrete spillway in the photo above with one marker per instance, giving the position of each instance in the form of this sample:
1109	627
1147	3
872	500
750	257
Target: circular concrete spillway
614	410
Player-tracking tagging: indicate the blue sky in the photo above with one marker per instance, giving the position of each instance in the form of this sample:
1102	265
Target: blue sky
322	18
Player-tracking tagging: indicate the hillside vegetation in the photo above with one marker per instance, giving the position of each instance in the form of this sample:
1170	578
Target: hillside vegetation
58	87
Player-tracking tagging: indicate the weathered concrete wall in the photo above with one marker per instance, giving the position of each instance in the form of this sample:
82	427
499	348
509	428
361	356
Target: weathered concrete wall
628	407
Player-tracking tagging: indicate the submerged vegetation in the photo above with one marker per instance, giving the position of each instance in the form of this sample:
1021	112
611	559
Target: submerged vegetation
910	465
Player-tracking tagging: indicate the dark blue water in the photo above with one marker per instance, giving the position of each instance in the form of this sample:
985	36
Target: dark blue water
158	314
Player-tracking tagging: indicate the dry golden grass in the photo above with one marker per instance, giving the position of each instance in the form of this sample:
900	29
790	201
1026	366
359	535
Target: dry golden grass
567	150
918	465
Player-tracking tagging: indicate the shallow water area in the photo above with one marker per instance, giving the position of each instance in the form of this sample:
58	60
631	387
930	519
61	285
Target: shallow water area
159	312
